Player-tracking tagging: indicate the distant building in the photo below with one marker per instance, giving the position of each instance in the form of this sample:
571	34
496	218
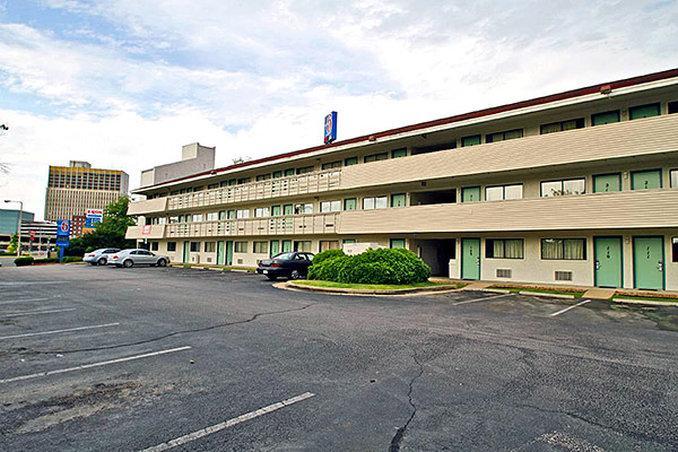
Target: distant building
9	222
38	236
73	189
195	158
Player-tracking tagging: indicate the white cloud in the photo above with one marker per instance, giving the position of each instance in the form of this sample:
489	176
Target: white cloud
255	78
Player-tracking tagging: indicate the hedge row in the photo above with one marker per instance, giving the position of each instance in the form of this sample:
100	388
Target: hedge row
380	266
28	260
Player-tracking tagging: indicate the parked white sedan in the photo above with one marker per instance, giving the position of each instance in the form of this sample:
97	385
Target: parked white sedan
137	256
100	256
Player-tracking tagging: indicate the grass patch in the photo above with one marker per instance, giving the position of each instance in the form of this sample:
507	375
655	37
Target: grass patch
647	298
337	285
564	291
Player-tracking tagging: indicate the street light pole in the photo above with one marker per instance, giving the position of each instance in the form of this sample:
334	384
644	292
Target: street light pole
18	225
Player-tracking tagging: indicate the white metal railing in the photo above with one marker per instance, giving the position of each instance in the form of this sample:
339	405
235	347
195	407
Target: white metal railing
301	184
322	223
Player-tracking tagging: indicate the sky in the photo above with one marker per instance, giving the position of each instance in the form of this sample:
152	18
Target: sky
124	84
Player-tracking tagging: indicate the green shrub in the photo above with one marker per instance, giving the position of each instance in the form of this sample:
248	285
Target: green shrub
46	260
380	266
23	261
68	259
325	255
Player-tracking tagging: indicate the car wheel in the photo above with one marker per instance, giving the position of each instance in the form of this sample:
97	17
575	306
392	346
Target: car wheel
295	274
101	261
128	263
162	263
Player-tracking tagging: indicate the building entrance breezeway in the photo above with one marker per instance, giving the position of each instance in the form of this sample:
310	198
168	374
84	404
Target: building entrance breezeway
437	254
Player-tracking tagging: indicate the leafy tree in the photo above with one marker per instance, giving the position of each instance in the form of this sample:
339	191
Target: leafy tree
109	233
13	243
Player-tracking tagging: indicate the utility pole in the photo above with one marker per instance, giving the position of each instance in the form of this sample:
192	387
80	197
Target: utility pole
18	224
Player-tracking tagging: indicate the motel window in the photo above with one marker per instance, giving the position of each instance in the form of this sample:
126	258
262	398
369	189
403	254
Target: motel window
504	248
231	214
331	165
277	174
329	245
560	126
674	246
240	247
377	202
222	214
375	157
212	186
261	212
244	180
154	246
330	206
348	241
232	182
261	177
288	209
644	111
470	194
471	140
171	247
646	180
304	170
212	216
351	161
397	153
303	209
242	213
195	247
606	117
504	192
210	247
196	217
398	200
673	107
504	135
674	178
397	243
563	187
350	204
563	249
276	211
603	183
261	247
303	246
289	172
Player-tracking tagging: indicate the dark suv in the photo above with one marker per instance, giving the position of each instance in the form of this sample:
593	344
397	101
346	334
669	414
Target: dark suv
286	265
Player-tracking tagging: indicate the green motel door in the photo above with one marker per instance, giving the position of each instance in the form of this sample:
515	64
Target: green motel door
470	258
229	252
186	253
608	264
648	262
221	252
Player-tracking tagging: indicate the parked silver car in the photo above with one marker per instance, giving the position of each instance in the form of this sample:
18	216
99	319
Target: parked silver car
100	256
137	256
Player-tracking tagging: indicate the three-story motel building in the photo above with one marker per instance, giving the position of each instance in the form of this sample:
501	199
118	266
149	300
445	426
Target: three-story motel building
579	188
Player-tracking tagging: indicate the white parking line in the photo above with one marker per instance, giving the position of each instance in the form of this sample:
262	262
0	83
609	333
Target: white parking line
475	300
229	423
89	366
24	300
42	333
570	307
48	311
29	283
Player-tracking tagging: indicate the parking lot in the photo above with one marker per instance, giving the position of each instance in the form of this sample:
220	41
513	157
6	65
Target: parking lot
113	359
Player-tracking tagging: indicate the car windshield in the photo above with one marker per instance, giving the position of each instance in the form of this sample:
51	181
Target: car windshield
284	256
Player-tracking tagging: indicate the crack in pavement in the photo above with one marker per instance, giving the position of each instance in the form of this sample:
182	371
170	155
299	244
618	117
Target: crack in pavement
176	333
400	433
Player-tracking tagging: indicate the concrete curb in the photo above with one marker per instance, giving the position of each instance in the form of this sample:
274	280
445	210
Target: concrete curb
501	291
343	291
546	294
623	300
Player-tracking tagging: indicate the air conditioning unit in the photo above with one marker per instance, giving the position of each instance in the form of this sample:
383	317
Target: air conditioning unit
195	258
563	276
503	273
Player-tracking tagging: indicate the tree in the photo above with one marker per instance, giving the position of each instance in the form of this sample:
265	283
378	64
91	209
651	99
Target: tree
13	243
109	233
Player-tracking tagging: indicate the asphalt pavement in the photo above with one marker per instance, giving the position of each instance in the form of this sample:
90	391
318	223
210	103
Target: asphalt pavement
111	359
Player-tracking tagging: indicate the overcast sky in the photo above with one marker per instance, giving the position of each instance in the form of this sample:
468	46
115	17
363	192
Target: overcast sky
124	83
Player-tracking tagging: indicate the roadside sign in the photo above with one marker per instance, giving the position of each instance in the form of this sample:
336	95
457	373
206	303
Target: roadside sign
63	237
92	217
146	230
331	127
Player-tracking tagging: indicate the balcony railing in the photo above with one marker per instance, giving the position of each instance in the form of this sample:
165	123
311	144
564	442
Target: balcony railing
301	184
324	223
